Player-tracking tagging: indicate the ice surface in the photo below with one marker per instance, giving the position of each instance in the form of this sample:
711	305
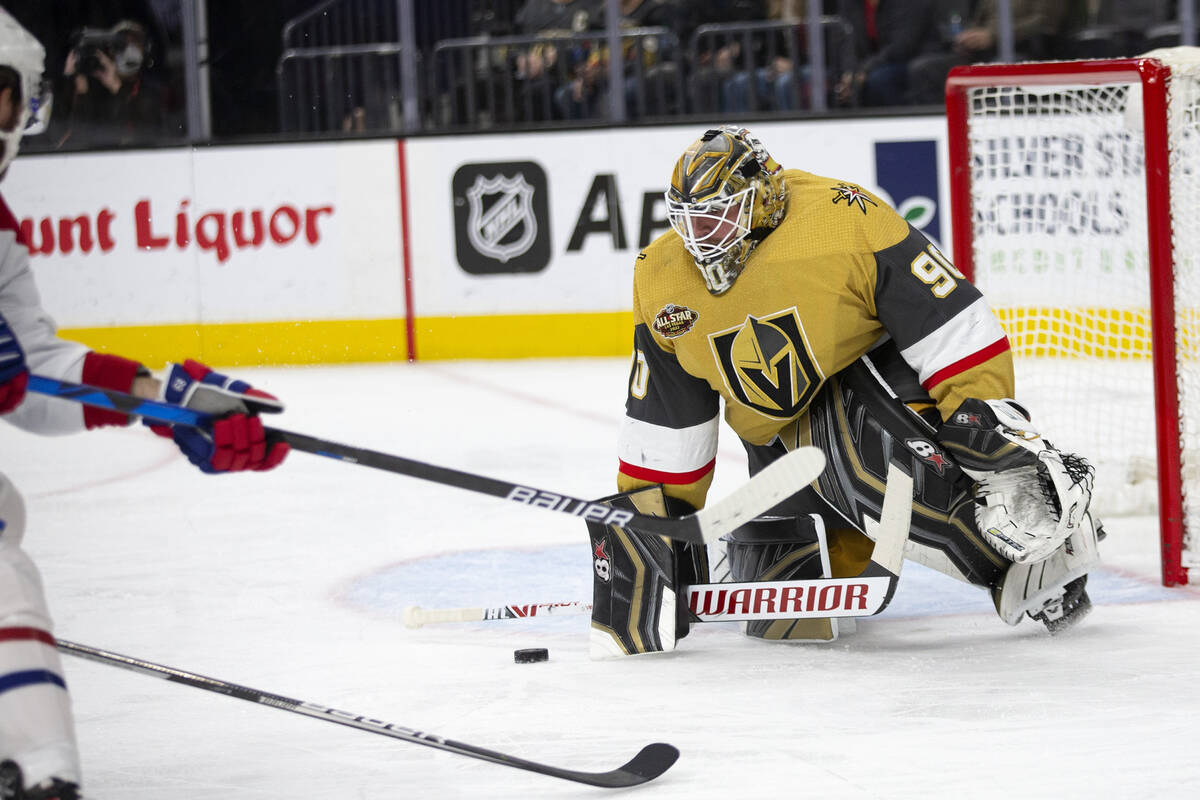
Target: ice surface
293	582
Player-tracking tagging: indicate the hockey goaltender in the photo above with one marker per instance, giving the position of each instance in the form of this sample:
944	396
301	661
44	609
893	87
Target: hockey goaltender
821	317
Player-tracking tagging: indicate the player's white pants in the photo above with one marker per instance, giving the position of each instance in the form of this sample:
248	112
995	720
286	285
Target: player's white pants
36	728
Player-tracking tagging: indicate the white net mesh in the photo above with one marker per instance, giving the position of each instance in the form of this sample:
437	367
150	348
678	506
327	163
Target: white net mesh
1058	190
1183	130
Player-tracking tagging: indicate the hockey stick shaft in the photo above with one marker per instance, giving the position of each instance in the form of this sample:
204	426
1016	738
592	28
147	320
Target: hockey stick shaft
812	598
768	488
866	595
648	764
415	616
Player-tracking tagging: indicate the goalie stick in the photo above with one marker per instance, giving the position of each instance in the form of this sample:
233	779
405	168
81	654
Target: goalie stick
768	488
865	595
650	762
415	616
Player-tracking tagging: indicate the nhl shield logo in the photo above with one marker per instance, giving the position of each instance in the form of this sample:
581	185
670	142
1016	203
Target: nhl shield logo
501	217
507	228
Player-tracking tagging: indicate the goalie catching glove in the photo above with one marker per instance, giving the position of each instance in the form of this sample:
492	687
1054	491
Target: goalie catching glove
1030	496
237	440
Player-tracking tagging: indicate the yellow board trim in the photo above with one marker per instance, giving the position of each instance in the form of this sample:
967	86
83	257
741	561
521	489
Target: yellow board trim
366	340
525	336
1054	332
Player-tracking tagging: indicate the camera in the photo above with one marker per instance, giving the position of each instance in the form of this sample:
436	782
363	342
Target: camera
125	43
89	42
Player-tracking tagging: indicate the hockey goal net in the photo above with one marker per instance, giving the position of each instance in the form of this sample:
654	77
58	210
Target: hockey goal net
1075	190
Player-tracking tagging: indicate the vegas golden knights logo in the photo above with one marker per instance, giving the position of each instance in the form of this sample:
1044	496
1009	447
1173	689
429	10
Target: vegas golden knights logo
767	365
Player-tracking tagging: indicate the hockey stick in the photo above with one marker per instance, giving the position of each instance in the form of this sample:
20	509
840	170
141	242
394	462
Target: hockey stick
415	616
865	595
650	762
768	488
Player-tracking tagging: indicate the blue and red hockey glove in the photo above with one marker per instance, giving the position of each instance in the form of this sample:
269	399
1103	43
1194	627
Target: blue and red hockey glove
14	375
237	440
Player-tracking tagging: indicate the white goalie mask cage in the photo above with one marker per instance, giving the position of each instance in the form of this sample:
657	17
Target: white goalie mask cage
726	195
710	230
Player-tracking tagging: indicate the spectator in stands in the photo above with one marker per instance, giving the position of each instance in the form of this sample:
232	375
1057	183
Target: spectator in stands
653	66
784	86
887	35
775	74
720	70
559	16
775	78
567	73
1036	26
113	99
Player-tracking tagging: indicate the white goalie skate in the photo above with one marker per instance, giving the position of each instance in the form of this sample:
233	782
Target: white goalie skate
1053	590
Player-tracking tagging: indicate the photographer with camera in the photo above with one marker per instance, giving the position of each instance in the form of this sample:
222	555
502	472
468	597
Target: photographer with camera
112	99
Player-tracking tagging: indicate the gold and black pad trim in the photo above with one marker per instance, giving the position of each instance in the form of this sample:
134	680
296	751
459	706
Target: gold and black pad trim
637	578
861	427
776	549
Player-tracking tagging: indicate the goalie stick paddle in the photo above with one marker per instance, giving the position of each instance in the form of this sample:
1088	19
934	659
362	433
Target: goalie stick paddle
768	488
865	595
650	762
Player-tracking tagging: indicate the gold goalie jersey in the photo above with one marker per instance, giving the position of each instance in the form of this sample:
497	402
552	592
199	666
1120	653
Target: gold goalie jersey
842	273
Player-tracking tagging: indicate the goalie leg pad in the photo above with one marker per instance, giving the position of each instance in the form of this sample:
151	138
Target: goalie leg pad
637	580
776	549
862	424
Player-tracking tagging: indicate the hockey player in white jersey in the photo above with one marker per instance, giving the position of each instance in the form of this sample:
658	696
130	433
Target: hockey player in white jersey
38	758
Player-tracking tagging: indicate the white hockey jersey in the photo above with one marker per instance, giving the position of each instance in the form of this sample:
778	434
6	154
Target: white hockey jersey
47	354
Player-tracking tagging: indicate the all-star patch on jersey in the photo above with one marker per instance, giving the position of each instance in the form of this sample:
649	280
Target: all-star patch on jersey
820	291
674	320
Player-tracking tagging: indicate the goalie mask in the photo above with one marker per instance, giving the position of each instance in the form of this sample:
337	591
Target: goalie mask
726	195
21	61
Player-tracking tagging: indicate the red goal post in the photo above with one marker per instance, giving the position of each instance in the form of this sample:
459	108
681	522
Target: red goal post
1065	180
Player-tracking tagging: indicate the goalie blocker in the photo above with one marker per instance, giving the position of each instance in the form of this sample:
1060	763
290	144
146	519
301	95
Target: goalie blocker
637	579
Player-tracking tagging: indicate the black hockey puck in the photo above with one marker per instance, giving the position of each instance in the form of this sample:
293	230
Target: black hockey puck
531	656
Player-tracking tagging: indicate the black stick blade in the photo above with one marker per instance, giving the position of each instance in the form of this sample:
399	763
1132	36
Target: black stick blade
650	762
